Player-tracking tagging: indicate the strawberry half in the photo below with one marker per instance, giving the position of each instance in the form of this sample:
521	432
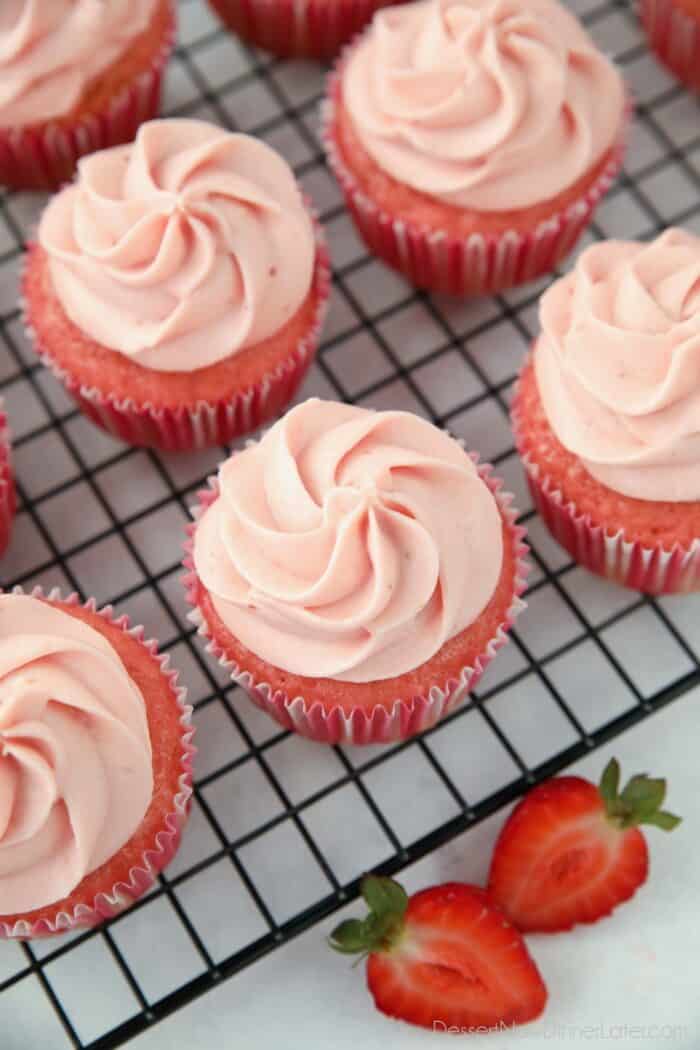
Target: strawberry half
570	852
446	958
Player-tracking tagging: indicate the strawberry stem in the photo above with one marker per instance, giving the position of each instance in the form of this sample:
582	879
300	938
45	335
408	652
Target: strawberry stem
639	802
380	930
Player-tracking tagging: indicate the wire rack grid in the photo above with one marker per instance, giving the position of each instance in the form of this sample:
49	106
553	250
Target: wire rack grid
281	829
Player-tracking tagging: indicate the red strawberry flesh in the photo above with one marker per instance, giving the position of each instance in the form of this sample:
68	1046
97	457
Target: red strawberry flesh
570	852
458	962
452	960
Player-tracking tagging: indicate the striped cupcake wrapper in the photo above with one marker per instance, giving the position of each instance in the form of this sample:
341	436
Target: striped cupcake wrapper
116	898
365	724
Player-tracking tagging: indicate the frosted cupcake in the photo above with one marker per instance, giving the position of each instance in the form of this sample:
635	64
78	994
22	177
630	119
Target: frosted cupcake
355	571
473	138
95	764
607	413
76	76
297	28
177	289
673	28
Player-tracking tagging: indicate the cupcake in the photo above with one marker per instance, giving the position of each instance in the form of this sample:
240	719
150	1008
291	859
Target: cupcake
7	484
177	288
355	571
297	28
607	412
95	764
473	138
673	28
76	76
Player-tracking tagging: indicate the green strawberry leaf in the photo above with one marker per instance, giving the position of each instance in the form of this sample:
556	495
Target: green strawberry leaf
642	790
610	781
639	802
664	820
349	937
384	896
381	929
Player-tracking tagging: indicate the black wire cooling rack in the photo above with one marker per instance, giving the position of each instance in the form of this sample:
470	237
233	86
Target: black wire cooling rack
281	829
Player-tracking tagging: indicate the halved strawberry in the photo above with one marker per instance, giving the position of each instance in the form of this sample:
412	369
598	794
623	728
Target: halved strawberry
570	852
446	958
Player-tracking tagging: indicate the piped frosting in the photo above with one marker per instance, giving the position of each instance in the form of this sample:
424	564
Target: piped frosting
487	105
618	365
182	248
50	51
76	774
349	544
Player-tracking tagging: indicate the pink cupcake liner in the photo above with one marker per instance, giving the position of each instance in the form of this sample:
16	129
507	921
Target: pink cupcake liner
298	28
108	904
475	265
675	37
373	725
8	497
630	563
45	157
208	423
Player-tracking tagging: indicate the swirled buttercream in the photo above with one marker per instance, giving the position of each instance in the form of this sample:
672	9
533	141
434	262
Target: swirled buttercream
50	50
75	755
181	248
618	365
349	544
490	105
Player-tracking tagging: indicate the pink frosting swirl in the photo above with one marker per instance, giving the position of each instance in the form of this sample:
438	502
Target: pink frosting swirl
51	49
488	105
75	756
618	365
349	544
182	248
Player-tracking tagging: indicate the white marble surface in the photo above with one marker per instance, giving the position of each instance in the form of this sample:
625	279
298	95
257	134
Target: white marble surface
629	981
